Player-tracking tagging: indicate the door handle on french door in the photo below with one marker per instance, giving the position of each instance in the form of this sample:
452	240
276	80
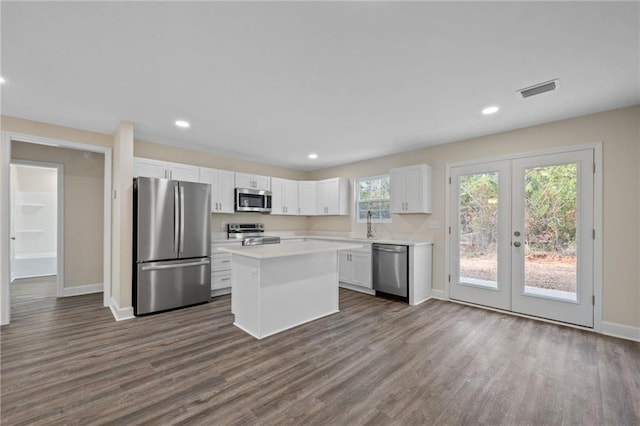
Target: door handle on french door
181	219
516	244
175	266
176	220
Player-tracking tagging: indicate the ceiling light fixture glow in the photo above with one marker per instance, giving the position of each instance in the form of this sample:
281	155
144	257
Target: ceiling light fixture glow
1	80
490	110
313	156
183	124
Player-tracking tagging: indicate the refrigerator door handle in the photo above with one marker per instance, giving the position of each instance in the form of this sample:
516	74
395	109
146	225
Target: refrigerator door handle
176	220
175	265
181	219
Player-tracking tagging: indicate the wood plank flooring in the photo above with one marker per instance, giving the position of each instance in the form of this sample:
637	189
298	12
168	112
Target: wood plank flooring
66	361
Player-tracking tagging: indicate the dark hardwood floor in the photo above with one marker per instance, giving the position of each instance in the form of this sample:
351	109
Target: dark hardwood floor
66	361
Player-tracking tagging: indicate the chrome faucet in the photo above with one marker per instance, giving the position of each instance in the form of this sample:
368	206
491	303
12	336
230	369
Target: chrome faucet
369	230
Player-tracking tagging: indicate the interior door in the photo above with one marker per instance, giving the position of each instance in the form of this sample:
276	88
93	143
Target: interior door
522	235
480	227
552	222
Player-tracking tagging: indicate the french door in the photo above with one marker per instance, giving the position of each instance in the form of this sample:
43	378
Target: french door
521	235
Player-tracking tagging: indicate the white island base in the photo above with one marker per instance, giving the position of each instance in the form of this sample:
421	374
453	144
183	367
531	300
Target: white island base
279	287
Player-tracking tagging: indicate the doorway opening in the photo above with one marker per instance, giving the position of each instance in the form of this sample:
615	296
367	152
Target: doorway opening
36	229
100	282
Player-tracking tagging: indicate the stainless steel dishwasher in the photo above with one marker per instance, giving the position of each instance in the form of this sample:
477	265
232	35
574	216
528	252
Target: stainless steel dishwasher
391	270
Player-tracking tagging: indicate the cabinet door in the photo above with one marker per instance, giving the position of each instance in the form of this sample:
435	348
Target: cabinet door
290	189
323	189
277	196
414	193
361	269
226	191
397	190
262	182
333	196
328	196
210	176
307	198
149	168
184	172
411	189
244	180
344	267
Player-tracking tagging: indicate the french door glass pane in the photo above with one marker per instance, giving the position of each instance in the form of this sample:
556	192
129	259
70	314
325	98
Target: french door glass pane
551	211
478	225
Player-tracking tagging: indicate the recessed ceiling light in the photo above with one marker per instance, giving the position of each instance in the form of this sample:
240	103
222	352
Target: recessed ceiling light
1	80
182	123
313	156
490	110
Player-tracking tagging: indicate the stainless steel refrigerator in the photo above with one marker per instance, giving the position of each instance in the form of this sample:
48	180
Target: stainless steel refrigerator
171	244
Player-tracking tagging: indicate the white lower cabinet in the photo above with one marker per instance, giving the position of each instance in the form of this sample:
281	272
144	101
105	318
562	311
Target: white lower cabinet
355	267
221	273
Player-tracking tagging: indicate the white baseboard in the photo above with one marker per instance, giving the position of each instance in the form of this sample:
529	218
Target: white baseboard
119	313
438	294
82	289
620	330
358	288
220	292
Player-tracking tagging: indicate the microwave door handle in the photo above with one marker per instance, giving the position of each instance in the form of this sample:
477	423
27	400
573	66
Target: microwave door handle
181	219
176	219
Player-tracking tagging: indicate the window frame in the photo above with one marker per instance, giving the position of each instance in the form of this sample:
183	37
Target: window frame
357	198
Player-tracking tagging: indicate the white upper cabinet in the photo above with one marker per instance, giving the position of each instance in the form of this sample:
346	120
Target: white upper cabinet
245	180
332	197
222	189
411	189
307	198
284	200
184	172
165	170
149	168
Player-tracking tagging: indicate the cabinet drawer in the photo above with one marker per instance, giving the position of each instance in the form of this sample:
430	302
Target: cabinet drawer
220	279
221	262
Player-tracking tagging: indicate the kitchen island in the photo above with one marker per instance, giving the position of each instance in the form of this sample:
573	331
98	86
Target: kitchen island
279	286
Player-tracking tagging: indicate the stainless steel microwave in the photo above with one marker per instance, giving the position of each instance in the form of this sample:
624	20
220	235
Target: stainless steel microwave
253	200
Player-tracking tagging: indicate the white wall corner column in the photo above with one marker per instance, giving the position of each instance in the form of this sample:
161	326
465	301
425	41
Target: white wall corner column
420	270
5	278
122	212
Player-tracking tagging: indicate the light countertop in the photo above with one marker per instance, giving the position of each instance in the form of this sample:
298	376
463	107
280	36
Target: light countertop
217	239
402	242
270	251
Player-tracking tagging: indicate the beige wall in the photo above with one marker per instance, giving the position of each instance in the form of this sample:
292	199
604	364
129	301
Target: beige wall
36	128
83	208
617	130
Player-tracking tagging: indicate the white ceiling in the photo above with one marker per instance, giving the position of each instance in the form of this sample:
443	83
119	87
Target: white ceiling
272	82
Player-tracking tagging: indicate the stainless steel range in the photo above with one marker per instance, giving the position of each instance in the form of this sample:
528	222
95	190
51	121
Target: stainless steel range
251	234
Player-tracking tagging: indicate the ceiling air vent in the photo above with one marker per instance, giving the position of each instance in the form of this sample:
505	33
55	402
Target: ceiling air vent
539	88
